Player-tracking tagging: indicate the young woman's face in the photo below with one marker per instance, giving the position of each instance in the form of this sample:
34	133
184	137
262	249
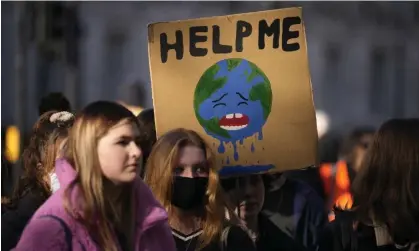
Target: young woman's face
119	154
360	150
247	194
191	163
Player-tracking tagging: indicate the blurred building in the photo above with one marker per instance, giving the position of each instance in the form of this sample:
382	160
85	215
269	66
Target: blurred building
364	56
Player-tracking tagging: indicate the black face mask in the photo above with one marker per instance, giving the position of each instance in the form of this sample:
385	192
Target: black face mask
189	193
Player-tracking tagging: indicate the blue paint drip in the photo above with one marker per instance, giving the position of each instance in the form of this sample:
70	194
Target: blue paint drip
260	135
236	154
228	160
252	148
221	148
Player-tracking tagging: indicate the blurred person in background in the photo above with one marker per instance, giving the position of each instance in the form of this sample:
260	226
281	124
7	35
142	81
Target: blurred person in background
6	170
10	146
247	195
329	144
385	215
54	101
182	174
294	208
148	134
337	177
294	200
39	180
329	140
106	206
355	146
311	177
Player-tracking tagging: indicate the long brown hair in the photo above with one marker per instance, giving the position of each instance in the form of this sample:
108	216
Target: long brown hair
387	188
96	212
159	177
39	156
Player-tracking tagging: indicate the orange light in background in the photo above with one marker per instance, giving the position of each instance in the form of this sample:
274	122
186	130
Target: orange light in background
12	142
134	109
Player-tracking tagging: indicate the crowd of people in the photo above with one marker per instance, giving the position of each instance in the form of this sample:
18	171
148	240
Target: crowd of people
99	179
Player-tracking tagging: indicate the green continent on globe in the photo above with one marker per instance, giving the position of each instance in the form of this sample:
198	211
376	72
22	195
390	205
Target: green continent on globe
261	91
207	85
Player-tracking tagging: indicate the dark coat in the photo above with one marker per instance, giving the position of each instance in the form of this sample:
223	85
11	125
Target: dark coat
271	238
340	235
14	220
297	210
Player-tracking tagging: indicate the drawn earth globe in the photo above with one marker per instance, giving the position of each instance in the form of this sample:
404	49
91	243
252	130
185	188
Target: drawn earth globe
233	100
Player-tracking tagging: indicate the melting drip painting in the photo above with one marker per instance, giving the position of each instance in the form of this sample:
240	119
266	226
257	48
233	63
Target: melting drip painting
232	102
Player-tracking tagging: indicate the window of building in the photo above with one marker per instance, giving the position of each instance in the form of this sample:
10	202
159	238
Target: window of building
399	82
416	11
331	75
114	64
333	57
379	89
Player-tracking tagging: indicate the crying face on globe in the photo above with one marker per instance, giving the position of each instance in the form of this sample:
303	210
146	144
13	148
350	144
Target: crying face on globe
233	99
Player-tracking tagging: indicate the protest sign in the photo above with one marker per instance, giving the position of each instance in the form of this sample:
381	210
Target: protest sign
242	82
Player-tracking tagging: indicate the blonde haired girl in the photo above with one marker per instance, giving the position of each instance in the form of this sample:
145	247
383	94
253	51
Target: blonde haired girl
106	206
182	175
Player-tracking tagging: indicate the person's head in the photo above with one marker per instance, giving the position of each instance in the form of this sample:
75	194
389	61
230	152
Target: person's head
5	177
54	101
39	156
103	145
103	149
387	188
355	146
246	193
148	133
181	173
329	147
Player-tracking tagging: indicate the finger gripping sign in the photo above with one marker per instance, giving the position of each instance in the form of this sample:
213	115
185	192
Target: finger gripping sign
241	81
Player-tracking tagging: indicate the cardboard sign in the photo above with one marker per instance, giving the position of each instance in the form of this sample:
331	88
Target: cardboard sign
242	82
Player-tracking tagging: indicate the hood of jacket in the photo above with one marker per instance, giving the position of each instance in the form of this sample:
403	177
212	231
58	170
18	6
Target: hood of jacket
149	211
65	172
